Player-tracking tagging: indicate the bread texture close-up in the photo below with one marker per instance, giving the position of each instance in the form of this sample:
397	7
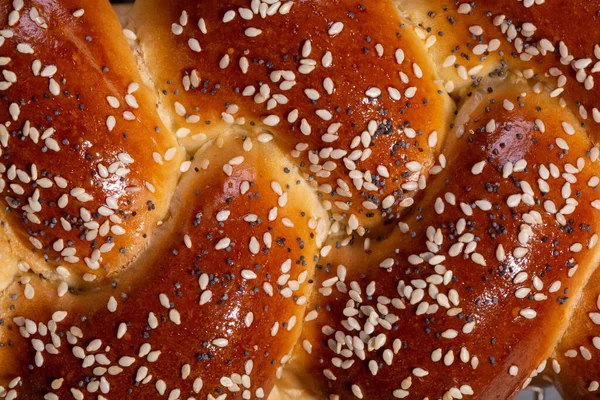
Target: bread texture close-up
299	199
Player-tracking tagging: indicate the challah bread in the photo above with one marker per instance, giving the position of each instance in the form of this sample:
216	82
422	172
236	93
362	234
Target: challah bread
79	178
303	74
169	300
490	261
297	199
540	39
462	46
574	363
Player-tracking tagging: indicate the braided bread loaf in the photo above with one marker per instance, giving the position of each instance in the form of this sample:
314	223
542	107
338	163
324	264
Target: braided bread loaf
298	199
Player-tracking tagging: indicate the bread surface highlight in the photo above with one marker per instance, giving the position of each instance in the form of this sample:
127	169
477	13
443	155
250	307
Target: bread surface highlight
311	199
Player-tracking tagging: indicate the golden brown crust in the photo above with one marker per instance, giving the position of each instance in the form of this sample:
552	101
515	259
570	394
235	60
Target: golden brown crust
534	38
563	52
451	267
79	138
475	337
364	139
221	300
574	363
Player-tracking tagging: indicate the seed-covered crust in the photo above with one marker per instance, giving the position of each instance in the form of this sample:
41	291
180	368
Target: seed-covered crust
349	89
87	168
309	199
489	263
216	304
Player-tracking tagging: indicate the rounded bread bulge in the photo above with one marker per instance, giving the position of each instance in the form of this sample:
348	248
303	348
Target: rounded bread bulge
298	199
488	264
87	167
362	114
229	270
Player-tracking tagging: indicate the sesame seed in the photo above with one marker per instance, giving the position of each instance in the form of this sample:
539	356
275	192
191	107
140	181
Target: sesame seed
336	28
194	45
220	342
252	32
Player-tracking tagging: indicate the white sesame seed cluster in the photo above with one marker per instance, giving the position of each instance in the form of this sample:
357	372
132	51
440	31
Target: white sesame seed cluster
248	199
67	176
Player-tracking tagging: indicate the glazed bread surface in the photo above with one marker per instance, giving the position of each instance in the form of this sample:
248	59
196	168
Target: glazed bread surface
307	199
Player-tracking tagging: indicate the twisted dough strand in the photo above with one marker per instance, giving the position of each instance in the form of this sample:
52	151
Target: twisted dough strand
283	190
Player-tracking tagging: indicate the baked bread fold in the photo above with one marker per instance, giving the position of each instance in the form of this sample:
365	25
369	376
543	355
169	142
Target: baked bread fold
298	199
